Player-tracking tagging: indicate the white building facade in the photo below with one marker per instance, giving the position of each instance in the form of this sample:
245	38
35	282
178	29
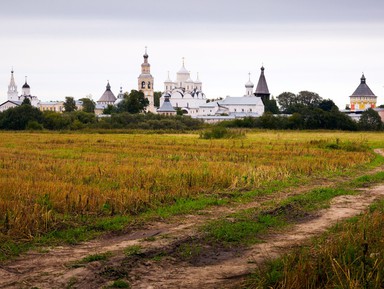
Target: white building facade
184	93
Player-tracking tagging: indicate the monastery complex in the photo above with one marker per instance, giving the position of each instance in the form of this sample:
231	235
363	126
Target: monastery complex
185	95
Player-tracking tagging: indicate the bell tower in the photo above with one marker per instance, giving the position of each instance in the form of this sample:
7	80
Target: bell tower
12	89
145	83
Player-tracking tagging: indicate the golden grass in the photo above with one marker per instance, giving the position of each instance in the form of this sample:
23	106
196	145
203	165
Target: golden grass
44	176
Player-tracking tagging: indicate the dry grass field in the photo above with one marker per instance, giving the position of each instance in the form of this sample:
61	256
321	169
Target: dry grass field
46	178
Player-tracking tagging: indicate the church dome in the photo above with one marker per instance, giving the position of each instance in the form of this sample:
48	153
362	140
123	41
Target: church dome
183	70
26	85
249	84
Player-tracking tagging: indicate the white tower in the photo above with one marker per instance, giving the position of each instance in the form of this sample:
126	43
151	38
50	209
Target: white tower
12	89
145	83
249	87
26	89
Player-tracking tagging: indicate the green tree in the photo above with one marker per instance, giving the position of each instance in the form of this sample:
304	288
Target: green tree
56	121
270	105
286	101
110	109
327	105
134	102
157	95
308	99
291	103
88	105
370	120
17	118
69	104
26	101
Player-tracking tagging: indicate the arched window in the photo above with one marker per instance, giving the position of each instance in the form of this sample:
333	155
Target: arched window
149	85
143	84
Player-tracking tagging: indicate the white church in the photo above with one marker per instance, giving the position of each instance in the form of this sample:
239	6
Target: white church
14	99
186	95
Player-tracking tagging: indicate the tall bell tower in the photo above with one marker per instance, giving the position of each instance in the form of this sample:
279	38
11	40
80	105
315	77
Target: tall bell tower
12	89
145	83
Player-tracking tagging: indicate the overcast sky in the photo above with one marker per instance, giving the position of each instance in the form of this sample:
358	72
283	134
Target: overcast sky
72	47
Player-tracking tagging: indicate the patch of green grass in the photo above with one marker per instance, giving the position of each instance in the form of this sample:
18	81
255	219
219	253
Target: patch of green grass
349	255
367	180
316	199
90	259
187	251
96	257
187	205
244	228
132	250
119	284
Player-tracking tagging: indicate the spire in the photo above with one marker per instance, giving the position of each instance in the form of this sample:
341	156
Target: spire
363	89
362	79
12	88
108	85
262	87
145	55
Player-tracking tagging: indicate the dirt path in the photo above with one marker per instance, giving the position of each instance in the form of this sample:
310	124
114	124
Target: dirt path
52	269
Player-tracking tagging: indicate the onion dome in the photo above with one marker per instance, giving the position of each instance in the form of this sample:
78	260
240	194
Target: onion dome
183	70
249	84
26	85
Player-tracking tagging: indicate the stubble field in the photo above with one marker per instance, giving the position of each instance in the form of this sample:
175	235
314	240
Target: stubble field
52	181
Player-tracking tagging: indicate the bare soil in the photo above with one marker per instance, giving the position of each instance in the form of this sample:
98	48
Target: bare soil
161	263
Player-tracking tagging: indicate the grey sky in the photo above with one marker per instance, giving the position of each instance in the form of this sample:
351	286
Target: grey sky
73	47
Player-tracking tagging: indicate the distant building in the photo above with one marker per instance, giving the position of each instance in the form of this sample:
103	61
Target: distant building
249	105
184	93
12	89
14	99
166	108
107	98
146	83
56	106
363	97
262	90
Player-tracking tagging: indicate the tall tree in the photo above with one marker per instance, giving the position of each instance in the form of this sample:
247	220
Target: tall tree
134	102
69	104
308	98
270	105
286	100
157	95
370	120
88	105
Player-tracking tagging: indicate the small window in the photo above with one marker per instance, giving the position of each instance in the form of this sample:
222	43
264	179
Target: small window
149	85
143	84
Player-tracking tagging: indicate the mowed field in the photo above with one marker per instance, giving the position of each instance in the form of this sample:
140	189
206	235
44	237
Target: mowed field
47	179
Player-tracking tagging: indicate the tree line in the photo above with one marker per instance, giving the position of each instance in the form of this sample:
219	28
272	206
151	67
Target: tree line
305	110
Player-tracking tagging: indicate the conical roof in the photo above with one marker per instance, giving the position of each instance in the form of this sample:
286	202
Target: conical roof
167	106
108	95
363	89
262	87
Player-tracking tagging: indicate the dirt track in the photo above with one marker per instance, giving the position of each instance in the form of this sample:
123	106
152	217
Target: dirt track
218	269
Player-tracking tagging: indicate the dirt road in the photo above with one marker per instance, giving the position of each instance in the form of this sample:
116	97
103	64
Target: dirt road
156	265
